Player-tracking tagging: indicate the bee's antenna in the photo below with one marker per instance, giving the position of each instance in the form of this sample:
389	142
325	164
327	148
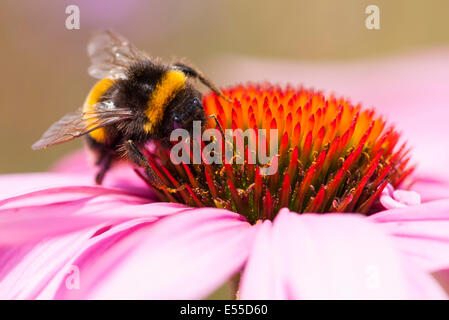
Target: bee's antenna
213	116
192	72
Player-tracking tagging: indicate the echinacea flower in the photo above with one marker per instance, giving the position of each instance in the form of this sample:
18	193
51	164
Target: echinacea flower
332	156
335	221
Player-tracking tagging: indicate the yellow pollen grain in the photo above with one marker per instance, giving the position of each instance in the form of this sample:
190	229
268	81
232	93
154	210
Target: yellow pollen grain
93	97
167	88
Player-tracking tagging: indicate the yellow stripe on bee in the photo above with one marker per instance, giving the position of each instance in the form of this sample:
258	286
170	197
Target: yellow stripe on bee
93	97
167	88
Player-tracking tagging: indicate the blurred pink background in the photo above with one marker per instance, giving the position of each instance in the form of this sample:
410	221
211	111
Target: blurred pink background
401	69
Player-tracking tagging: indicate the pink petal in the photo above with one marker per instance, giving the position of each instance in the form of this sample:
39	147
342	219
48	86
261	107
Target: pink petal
61	278
409	198
66	194
121	177
421	232
389	203
32	270
25	270
187	256
15	184
431	187
32	216
32	223
259	279
392	199
49	212
330	257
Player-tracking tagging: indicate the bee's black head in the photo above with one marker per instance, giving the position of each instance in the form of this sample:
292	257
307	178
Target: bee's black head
183	110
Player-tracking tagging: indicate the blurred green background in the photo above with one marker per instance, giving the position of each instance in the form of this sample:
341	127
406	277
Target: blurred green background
44	64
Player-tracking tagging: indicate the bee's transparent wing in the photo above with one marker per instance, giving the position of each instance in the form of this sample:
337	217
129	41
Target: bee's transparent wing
79	123
111	55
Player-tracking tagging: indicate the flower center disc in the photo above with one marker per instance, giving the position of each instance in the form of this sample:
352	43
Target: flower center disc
331	155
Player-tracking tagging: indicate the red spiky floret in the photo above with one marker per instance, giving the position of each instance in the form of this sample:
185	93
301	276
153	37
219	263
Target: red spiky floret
333	156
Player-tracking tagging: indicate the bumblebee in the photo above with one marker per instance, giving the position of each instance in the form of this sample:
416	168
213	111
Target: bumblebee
136	99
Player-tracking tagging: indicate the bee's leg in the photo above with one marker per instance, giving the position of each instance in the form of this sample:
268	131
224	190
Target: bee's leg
139	158
194	73
104	162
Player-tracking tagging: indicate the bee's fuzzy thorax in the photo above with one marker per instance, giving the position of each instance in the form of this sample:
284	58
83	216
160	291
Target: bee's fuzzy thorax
166	89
